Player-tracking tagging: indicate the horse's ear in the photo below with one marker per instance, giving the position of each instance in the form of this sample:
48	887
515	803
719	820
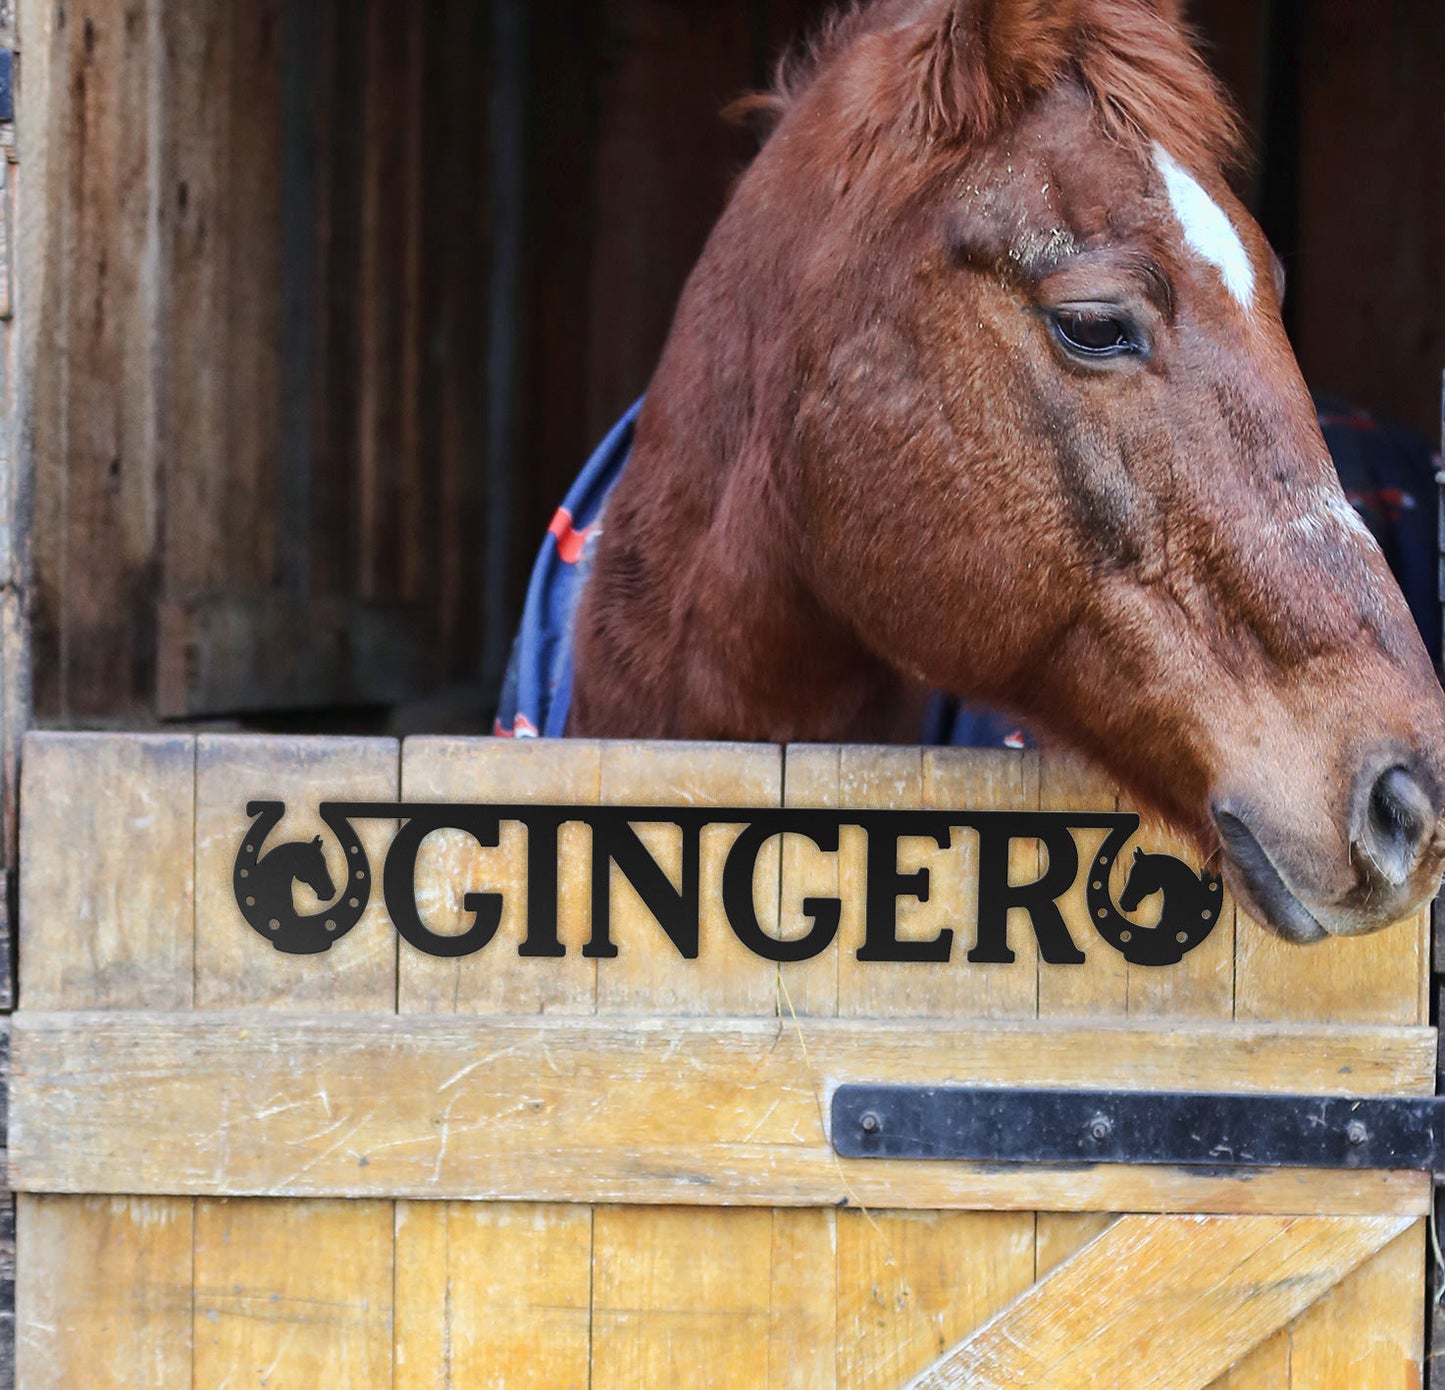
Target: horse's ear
978	58
317	842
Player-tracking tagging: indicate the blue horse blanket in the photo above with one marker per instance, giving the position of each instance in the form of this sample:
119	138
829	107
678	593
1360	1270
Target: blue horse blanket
1388	474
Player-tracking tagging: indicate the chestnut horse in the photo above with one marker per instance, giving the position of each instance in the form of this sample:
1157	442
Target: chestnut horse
980	385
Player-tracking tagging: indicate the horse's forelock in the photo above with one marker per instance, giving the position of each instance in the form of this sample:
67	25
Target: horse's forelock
975	62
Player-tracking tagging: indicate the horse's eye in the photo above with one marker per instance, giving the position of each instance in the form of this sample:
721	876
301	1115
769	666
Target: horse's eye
1094	333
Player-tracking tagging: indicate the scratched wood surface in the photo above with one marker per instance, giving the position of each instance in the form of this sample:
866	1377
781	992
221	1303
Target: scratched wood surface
312	1196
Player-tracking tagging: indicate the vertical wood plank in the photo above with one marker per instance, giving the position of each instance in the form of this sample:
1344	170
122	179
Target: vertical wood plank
912	1285
507	1296
498	980
106	906
104	1294
198	220
293	1294
1099	988
97	477
892	779
1060	1234
803	1313
103	1286
675	1291
648	975
1368	1333
810	779
984	780
234	968
248	466
272	1295
1265	1368
1362	979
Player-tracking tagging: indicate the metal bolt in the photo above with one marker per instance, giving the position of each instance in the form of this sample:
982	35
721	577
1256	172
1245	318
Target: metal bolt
1356	1133
869	1123
1100	1128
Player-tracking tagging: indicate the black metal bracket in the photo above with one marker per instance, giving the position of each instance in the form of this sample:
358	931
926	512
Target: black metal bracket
999	1125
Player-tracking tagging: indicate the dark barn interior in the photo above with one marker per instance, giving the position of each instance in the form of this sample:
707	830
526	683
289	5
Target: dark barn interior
335	298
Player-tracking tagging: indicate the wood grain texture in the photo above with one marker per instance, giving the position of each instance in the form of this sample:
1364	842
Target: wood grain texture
1099	988
681	1298
293	1294
802	1317
1366	979
233	967
689	1111
452	864
892	779
1265	1368
1231	1281
107	915
810	779
910	1284
492	1295
1369	1332
648	975
986	780
104	1293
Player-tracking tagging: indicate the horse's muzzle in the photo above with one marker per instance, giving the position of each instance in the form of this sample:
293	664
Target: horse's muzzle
1395	850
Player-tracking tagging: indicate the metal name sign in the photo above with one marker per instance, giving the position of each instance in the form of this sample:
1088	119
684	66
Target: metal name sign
264	880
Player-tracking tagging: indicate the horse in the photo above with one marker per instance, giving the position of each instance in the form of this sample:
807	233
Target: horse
980	385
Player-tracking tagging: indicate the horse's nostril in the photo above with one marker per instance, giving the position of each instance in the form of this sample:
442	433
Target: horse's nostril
1397	822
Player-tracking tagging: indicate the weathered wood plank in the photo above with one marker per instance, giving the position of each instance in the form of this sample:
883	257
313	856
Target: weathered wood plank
676	1290
492	1295
892	779
97	494
234	967
104	1296
1363	979
292	1294
1369	1332
1186	1298
648	974
640	1110
242	653
1265	1368
810	779
1099	988
802	1323
985	780
912	1283
452	864
106	908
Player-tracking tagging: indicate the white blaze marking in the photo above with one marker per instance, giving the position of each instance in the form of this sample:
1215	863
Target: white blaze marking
1206	229
1339	508
1330	515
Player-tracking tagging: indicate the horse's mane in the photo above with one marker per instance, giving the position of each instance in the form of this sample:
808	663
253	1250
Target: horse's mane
1135	58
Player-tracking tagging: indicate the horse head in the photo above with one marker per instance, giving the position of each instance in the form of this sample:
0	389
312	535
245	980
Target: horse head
1143	880
981	385
309	867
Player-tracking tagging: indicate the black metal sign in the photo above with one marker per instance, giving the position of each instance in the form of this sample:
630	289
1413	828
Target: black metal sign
265	877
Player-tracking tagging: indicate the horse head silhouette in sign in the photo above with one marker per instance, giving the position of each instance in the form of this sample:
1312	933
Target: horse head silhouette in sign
265	883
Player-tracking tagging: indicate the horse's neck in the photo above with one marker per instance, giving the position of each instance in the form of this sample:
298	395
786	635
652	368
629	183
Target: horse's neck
698	623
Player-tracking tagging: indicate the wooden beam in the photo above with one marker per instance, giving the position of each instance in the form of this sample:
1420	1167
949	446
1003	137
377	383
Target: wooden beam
690	1111
1187	1297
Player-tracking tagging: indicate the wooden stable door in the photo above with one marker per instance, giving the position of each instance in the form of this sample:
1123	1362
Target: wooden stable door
379	1168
